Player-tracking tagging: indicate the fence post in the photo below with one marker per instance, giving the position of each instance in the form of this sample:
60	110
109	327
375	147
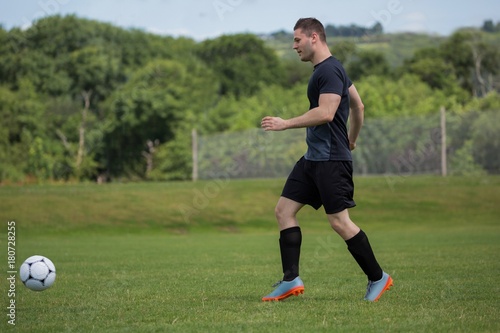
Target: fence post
194	137
444	167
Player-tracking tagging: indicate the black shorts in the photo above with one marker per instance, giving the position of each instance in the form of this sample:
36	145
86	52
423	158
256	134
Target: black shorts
327	183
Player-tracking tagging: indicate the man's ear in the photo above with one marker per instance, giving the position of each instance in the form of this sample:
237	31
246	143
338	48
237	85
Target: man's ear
315	37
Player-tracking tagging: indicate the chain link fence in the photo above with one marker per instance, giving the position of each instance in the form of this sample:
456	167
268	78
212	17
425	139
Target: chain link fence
441	143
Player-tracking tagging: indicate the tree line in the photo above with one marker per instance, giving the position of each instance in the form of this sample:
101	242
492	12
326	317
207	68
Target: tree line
332	30
82	100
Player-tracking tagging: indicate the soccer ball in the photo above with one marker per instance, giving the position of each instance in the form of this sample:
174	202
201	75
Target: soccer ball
38	273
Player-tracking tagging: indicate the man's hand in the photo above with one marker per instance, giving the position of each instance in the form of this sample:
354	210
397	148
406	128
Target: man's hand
273	124
352	145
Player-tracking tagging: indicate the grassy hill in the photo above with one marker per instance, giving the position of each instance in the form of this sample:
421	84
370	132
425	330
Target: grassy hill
240	205
395	47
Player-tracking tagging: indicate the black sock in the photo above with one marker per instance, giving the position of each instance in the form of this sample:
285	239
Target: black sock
363	254
290	242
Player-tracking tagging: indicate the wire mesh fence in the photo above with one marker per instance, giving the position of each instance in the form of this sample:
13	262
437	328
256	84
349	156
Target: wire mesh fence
468	143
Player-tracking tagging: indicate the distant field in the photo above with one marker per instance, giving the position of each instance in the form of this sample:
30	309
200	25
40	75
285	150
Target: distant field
197	257
395	47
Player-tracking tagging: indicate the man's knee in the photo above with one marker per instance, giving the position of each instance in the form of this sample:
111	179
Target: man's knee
342	224
281	212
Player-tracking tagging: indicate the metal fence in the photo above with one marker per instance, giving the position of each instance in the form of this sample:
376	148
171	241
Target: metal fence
441	143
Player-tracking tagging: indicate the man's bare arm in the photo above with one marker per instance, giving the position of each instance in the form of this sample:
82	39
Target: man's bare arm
357	112
324	113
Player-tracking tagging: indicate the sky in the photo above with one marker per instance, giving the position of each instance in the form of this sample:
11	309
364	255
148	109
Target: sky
203	19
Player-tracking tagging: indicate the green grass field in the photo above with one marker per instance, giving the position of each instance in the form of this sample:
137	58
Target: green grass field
197	257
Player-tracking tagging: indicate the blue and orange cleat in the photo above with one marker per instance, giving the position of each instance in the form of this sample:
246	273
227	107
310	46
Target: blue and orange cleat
375	289
285	289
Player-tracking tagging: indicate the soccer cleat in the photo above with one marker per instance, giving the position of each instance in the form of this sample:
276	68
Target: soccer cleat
375	289
285	289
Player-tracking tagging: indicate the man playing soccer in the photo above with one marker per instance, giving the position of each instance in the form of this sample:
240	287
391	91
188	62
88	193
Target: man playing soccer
323	176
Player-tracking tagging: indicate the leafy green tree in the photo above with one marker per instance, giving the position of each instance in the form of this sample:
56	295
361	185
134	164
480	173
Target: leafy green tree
474	60
489	26
94	69
486	141
352	30
377	29
22	115
75	159
367	63
344	51
173	160
4	52
296	72
242	62
430	66
56	35
462	161
43	71
94	72
232	114
12	145
40	162
384	96
489	102
150	107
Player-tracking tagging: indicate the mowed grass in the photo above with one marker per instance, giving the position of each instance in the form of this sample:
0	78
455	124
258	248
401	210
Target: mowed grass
197	257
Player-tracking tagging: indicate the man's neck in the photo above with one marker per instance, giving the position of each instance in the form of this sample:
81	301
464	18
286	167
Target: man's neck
321	56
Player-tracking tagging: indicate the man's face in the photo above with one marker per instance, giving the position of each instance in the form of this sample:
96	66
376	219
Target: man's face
302	45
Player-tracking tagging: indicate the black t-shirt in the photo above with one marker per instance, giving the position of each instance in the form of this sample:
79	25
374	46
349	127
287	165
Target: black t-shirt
329	142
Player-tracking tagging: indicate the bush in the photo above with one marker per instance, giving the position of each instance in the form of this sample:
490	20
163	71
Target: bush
486	141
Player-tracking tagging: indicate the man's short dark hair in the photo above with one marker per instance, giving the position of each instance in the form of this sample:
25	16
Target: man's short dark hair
309	25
